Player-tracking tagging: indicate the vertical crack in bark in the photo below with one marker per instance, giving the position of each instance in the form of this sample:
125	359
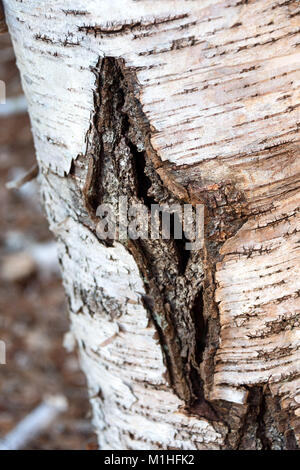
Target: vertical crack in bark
264	426
121	165
261	425
200	324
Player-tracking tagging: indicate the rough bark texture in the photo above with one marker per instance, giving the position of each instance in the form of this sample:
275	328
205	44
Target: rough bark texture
196	103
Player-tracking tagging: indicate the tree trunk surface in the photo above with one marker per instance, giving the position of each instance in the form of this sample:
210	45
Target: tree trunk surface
174	102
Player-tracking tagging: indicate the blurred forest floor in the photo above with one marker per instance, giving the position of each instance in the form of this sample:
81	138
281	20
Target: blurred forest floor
33	312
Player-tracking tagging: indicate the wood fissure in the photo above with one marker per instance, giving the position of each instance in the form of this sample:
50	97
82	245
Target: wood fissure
123	167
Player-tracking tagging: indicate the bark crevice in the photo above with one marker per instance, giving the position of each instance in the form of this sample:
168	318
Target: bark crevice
120	165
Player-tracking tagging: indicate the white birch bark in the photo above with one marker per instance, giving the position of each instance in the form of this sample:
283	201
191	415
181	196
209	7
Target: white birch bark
218	82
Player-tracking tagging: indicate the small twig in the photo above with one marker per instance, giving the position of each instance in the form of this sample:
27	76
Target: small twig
35	423
29	176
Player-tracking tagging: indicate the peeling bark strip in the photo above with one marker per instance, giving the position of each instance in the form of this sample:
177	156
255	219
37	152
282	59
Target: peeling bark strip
198	103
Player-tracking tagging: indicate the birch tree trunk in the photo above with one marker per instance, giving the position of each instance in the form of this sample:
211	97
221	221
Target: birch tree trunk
179	102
